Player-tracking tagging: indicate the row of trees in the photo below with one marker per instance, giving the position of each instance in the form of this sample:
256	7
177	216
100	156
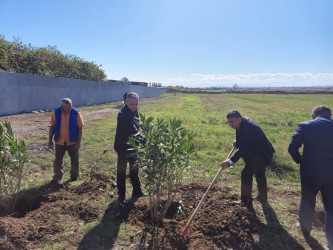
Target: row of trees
20	58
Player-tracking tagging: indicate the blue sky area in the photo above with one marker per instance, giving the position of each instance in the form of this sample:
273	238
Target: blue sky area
261	43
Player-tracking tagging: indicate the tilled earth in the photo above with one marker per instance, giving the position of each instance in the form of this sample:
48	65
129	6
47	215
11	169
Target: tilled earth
47	214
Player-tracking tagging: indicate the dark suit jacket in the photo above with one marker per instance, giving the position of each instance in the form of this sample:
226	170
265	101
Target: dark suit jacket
317	138
126	127
252	144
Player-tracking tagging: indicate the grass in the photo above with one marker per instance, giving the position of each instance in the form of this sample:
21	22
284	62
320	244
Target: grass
203	114
107	105
56	246
89	226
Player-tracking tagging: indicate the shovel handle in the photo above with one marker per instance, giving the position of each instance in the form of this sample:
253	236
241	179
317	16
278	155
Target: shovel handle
203	198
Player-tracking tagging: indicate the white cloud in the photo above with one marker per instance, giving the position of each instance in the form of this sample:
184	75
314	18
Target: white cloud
247	80
253	80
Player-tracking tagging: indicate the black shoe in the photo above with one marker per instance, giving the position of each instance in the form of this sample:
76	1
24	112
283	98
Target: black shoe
246	203
122	201
259	198
73	178
54	182
138	195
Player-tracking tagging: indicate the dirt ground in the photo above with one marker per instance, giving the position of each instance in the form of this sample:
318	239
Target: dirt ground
51	212
219	224
31	124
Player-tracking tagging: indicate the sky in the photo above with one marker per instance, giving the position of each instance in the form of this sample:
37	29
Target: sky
190	43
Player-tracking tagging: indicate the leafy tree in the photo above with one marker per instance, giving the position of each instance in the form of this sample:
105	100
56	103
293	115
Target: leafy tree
235	86
164	159
13	156
124	79
18	57
5	49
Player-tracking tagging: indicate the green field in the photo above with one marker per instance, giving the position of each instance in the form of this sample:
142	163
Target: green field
204	114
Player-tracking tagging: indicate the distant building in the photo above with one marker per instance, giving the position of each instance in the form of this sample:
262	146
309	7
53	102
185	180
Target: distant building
139	83
146	84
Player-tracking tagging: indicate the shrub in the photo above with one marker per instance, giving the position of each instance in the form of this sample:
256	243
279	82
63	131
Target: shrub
12	159
164	159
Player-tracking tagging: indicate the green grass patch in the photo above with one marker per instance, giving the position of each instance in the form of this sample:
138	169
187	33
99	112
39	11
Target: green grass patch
203	114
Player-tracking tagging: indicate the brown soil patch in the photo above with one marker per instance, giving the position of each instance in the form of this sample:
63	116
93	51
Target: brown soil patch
47	214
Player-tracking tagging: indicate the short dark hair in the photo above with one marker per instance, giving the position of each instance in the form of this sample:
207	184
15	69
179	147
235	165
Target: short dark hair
321	111
233	114
125	96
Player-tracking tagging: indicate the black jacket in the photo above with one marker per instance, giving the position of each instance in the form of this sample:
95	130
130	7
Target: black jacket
252	144
316	136
126	127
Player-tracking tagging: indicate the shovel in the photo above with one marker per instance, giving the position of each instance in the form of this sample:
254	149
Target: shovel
203	198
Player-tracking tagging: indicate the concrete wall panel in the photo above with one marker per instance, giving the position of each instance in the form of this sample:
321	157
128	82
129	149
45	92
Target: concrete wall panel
21	93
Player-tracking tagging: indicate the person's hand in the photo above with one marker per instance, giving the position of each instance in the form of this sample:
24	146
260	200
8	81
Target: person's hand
50	145
225	164
78	145
234	144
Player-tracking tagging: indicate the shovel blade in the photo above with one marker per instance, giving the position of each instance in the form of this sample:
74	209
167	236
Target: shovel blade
185	230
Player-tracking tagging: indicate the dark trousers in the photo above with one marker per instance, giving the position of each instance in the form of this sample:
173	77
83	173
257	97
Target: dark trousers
60	151
121	175
310	188
258	170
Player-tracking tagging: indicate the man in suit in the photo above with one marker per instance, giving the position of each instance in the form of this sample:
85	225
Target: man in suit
257	152
316	167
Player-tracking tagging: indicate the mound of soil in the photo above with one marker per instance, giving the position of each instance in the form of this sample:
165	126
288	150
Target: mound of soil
48	214
219	224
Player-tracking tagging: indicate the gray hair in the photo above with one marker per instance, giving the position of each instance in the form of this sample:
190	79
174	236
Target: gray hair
233	114
321	111
131	95
66	100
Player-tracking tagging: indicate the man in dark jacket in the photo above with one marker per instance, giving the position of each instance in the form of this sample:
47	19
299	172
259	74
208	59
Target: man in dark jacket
126	127
316	167
257	152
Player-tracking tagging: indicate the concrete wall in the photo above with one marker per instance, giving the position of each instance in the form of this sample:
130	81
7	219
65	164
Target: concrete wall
21	93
